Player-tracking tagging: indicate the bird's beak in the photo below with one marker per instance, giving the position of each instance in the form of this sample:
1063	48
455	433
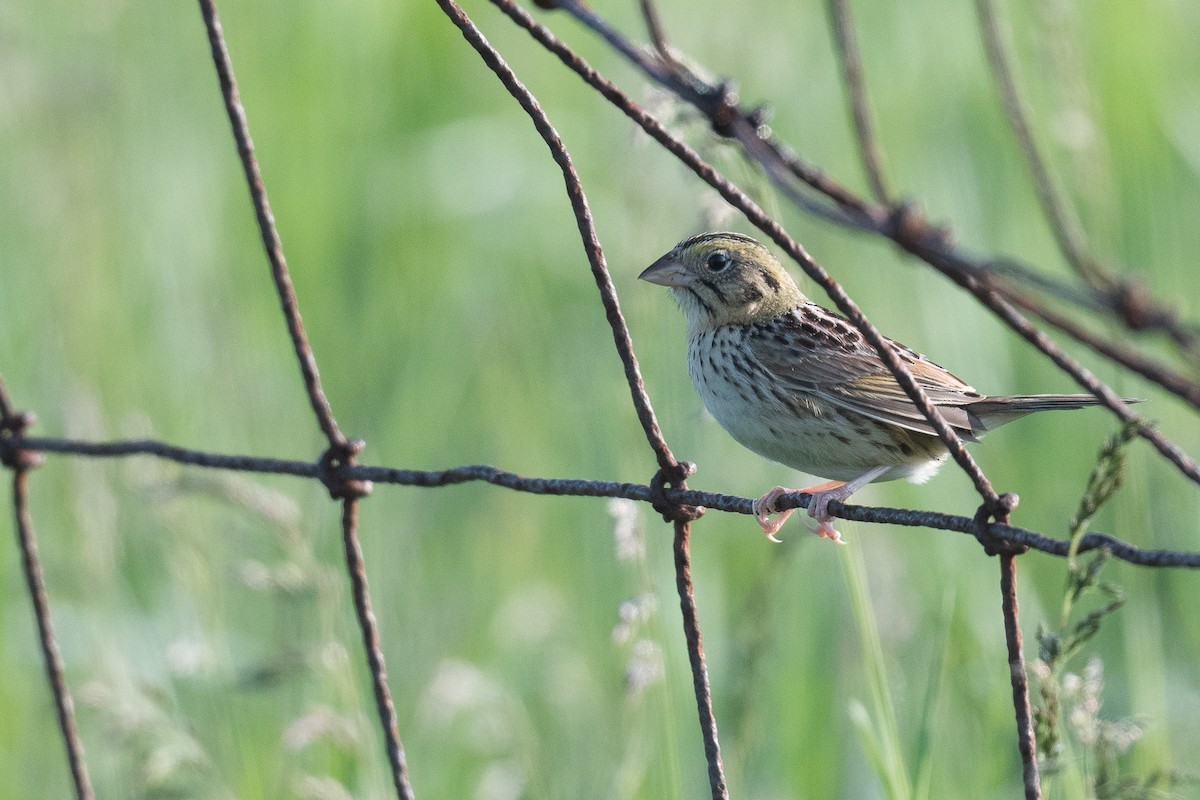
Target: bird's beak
667	271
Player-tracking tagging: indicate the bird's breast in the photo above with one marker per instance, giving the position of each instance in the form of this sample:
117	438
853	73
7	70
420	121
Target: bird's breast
794	428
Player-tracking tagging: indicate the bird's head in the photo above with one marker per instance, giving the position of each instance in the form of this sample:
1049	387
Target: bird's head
725	279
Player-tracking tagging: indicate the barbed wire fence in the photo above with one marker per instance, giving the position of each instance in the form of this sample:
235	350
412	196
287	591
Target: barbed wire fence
1003	285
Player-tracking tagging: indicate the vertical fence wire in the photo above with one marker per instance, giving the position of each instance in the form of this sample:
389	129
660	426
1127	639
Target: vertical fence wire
372	644
266	225
671	472
342	452
31	566
695	648
1018	676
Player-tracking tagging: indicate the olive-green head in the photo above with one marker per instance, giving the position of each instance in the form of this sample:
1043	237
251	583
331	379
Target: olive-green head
725	279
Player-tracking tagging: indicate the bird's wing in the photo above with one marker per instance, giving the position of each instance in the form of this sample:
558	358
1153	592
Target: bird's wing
813	352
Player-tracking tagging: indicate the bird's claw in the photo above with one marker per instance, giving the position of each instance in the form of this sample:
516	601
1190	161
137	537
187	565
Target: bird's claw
818	509
764	507
826	530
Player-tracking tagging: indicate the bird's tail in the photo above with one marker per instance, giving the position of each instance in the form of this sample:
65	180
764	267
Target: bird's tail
991	412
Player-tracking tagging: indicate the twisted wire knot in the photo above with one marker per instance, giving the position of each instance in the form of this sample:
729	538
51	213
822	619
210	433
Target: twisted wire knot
333	470
12	429
675	477
999	510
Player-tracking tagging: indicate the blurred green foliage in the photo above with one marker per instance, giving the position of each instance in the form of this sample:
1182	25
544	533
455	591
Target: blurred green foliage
204	618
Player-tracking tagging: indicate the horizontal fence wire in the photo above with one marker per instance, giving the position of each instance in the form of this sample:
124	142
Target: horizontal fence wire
578	487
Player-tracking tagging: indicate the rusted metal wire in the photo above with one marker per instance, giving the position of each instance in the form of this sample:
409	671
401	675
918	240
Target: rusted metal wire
1018	676
21	461
575	487
52	661
367	624
583	220
695	648
266	226
670	471
341	453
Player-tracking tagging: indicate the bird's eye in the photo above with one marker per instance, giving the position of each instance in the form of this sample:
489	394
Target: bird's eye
718	261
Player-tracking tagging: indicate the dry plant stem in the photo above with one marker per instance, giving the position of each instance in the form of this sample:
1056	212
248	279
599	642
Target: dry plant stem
266	226
655	29
371	644
856	88
695	648
7	410
572	487
1062	222
737	198
32	567
1020	681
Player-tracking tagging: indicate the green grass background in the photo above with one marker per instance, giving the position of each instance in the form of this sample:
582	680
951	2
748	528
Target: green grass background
204	618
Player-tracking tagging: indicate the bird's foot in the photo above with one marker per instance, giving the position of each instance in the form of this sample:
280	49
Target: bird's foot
826	493
764	507
818	508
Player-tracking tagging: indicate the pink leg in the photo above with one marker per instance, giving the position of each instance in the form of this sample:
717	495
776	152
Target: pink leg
818	506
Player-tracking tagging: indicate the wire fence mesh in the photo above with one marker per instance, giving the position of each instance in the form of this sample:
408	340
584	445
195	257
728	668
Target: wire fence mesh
1000	285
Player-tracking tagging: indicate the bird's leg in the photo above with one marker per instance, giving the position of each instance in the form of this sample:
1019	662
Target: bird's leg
822	496
764	507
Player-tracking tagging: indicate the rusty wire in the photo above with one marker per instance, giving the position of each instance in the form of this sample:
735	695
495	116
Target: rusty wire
1018	677
31	566
695	648
576	487
266	226
372	645
341	452
670	472
20	460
